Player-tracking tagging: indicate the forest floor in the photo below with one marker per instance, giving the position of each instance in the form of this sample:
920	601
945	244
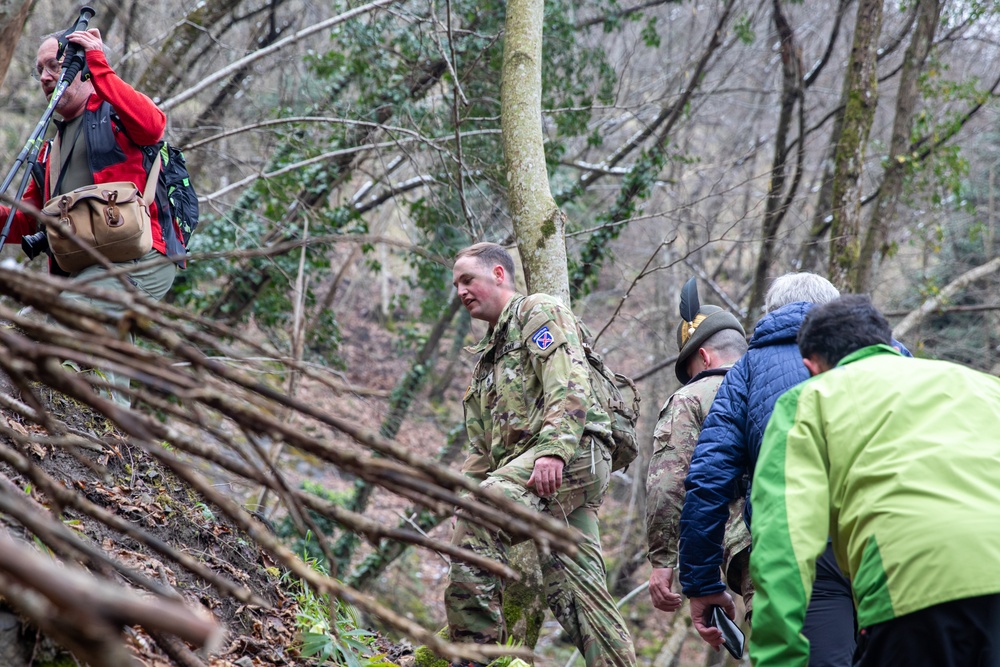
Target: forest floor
125	481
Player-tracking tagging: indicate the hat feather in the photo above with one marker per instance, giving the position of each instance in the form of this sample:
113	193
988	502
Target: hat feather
690	305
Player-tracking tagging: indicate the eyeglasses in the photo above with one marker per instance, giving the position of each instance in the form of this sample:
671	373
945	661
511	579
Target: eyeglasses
53	66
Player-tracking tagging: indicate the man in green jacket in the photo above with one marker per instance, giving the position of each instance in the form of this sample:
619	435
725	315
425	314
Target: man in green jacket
538	436
898	460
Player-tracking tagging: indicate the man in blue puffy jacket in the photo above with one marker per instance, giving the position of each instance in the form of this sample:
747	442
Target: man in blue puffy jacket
725	458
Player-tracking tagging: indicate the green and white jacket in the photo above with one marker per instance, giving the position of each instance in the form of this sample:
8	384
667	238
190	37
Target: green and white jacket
898	460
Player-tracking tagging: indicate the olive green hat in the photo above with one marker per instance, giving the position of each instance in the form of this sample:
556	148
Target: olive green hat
698	324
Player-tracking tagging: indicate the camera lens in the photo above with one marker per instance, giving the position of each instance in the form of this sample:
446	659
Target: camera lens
35	244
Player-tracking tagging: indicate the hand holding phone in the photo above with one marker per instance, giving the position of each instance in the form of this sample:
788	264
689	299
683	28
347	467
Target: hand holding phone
731	634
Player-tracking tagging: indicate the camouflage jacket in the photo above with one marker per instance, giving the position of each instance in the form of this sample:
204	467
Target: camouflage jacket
530	391
674	440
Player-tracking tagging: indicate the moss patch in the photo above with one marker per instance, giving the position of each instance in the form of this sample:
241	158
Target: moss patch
520	609
424	657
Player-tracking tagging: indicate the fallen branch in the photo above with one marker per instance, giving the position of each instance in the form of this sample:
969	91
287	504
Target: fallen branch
78	595
232	412
941	298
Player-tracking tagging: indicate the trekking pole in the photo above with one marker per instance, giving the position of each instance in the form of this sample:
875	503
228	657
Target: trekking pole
73	61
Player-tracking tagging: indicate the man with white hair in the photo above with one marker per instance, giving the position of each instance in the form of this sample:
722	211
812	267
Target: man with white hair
724	461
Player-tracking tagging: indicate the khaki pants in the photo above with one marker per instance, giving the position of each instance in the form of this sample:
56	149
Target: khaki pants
152	279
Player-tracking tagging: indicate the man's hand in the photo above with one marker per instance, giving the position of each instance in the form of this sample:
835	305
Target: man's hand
88	40
546	476
699	609
661	589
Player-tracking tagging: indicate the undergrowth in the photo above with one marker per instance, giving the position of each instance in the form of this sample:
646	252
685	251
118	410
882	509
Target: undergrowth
330	629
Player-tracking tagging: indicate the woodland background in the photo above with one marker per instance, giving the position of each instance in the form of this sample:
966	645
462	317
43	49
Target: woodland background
345	151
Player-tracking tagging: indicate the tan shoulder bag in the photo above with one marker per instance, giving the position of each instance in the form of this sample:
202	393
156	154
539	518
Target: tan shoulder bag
108	218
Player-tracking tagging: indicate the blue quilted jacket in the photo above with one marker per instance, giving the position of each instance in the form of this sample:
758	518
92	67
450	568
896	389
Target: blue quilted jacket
727	450
730	440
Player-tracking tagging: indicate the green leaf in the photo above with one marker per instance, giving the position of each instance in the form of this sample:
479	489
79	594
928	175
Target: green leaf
649	34
320	645
744	30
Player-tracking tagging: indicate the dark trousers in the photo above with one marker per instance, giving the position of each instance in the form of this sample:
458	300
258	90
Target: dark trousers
960	633
830	622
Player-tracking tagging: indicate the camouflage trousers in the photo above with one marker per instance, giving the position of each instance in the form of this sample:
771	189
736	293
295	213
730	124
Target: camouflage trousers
739	581
576	587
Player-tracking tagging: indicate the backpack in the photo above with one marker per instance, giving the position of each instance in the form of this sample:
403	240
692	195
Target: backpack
607	387
176	199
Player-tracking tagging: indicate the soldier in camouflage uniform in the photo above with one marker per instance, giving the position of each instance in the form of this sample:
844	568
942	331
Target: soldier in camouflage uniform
709	344
538	436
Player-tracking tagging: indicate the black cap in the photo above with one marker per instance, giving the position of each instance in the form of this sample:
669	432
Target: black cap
698	324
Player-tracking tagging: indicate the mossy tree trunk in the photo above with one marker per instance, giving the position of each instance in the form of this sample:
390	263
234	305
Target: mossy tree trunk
876	235
814	250
861	96
539	224
540	229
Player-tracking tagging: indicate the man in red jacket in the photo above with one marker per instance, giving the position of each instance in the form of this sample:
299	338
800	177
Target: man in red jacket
104	123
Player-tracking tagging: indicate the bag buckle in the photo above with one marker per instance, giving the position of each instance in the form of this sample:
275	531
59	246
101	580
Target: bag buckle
64	210
64	219
111	214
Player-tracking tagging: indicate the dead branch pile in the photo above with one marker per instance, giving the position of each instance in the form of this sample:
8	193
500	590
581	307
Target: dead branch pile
206	380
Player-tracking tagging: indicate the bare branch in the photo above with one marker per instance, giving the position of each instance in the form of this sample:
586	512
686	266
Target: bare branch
76	594
322	158
221	74
621	13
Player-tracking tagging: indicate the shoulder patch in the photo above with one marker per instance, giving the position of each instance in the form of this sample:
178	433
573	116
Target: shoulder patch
542	338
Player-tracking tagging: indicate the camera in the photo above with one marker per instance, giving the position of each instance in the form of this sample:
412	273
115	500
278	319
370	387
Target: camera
35	244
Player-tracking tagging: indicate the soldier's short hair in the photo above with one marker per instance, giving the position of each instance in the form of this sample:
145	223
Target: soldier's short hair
728	343
793	287
489	255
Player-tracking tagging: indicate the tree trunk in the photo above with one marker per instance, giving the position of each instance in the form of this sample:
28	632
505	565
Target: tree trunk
539	224
540	228
811	252
13	13
876	235
861	95
777	201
